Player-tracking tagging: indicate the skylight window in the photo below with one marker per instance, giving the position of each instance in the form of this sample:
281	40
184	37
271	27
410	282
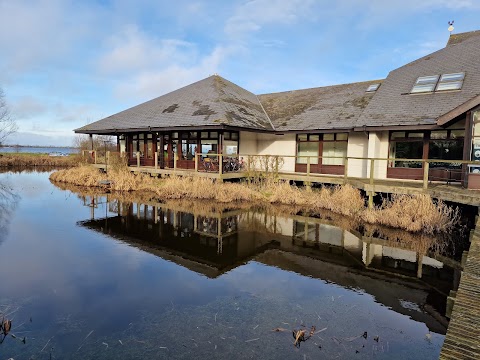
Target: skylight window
451	82
373	87
433	83
425	84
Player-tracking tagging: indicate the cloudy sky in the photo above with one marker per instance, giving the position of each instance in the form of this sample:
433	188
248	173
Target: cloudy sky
65	63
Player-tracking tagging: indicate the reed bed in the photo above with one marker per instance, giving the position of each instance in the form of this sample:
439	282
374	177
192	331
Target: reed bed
30	160
413	213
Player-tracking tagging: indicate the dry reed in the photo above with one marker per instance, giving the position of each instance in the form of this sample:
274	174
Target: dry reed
23	160
414	213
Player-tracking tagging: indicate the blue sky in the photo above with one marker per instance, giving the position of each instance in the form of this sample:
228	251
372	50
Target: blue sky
66	63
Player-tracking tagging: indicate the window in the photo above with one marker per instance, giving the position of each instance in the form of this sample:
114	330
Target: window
307	147
425	84
451	82
476	136
334	148
373	87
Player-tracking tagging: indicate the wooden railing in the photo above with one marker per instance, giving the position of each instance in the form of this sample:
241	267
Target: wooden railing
350	167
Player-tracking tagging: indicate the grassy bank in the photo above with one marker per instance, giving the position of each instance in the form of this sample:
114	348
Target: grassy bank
414	213
31	159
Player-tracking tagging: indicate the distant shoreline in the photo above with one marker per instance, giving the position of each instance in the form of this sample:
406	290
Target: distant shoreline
37	146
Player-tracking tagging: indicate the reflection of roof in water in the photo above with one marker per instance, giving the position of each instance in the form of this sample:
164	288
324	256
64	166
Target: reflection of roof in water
200	253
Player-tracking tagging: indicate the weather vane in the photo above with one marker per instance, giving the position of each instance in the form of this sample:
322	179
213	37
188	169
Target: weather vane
450	27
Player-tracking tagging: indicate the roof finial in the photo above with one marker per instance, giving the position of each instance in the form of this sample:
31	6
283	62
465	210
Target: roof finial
450	27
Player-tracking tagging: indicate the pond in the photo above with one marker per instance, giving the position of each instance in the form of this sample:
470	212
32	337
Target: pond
98	277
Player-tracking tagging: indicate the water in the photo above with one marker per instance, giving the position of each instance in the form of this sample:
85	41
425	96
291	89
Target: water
38	150
93	277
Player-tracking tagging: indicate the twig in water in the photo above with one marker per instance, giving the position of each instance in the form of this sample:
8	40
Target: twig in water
46	344
255	327
319	331
104	343
120	341
252	340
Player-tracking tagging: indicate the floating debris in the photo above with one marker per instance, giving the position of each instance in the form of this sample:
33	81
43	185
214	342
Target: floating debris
252	340
120	341
279	329
376	338
365	335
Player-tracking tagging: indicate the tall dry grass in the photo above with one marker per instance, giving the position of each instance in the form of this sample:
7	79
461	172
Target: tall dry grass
24	160
414	213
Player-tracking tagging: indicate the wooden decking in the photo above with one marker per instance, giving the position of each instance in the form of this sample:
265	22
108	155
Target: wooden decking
463	334
453	192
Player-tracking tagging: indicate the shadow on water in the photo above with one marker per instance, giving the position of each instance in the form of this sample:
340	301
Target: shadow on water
234	281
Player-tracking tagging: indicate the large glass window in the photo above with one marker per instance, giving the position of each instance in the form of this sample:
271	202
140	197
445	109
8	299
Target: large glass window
334	149
307	147
230	143
446	145
150	146
406	145
476	136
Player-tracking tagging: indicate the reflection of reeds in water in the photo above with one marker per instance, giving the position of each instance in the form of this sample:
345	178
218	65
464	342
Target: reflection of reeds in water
414	213
260	218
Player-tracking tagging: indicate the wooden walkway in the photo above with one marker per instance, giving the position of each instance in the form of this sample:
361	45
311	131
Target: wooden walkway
463	334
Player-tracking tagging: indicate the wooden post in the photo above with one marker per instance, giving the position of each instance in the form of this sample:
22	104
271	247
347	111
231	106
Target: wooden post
107	158
220	164
308	166
426	166
138	158
276	164
345	175
95	155
156	160
174	162
372	170
196	162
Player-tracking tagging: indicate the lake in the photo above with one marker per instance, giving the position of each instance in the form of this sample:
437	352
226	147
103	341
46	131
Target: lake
103	277
38	150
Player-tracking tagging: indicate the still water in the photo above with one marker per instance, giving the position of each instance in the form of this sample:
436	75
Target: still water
93	277
38	150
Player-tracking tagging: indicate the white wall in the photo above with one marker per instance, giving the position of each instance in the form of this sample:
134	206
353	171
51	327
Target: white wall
283	145
378	148
357	147
247	143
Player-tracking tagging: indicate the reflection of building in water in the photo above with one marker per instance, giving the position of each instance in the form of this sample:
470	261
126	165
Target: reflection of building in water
214	243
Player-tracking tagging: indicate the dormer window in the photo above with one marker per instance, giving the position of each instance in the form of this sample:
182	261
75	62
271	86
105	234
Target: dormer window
425	84
373	87
434	83
451	82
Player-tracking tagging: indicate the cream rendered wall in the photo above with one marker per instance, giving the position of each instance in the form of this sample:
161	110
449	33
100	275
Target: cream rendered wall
282	145
247	143
378	148
357	147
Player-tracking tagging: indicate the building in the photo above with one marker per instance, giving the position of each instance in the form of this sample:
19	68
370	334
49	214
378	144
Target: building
423	119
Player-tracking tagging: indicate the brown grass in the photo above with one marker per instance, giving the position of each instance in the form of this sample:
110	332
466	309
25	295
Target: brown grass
414	213
25	160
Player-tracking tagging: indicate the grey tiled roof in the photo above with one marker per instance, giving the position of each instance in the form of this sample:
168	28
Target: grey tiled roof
329	107
393	105
212	101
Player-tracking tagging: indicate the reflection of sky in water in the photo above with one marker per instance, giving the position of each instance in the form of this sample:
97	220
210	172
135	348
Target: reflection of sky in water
72	280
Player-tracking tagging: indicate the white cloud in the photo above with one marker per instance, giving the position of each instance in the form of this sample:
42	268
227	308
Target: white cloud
255	14
133	50
154	82
27	107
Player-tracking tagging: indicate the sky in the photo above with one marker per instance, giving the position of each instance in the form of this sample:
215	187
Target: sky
66	63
